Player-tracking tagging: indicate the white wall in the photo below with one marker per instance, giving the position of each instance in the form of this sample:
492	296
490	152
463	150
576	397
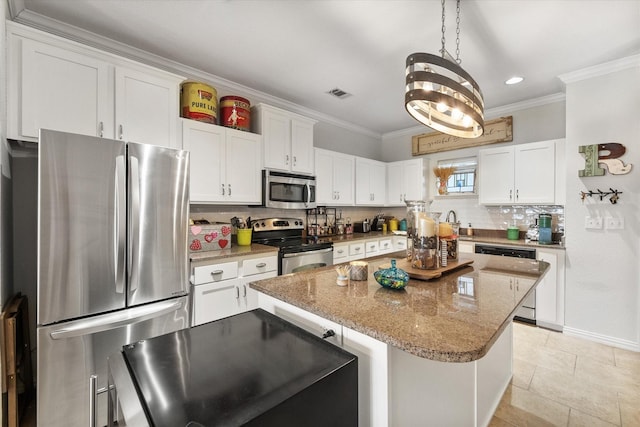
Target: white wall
603	268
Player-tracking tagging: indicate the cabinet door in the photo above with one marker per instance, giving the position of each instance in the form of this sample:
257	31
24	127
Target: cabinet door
324	177
496	175
395	184
243	167
413	180
535	172
373	377
147	108
370	182
363	184
343	179
550	292
301	146
276	130
207	146
62	90
216	300
249	296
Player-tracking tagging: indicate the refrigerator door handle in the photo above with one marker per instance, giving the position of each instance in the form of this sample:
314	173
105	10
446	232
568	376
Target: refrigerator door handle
93	397
134	192
120	224
110	321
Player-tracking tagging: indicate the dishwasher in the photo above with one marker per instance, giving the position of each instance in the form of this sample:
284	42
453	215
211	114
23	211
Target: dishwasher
527	311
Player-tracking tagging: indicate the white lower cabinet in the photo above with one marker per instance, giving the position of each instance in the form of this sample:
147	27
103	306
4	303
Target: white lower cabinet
340	252
465	247
386	245
371	248
373	399
399	243
222	290
550	291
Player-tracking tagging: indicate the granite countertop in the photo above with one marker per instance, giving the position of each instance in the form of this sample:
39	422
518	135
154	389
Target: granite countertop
455	318
234	251
506	242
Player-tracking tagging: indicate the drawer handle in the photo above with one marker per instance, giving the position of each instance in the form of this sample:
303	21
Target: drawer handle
262	264
214	272
357	249
340	251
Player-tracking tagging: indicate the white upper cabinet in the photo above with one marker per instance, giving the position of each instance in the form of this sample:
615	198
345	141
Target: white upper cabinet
405	181
518	174
288	139
225	164
335	174
147	105
57	89
371	182
58	84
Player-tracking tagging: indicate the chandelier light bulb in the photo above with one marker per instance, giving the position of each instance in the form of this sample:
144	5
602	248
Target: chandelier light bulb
442	107
456	114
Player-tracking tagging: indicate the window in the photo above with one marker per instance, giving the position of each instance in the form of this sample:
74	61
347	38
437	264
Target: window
463	179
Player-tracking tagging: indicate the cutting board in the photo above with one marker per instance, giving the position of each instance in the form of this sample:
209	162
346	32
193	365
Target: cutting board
419	274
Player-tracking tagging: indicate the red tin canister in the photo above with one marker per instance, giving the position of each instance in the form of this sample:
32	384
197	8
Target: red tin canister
235	112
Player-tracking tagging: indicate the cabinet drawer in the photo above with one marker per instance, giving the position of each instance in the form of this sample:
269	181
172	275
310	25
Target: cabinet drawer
371	247
215	272
400	243
356	249
385	245
259	265
340	252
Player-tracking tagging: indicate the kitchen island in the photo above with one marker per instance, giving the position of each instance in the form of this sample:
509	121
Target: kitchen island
439	351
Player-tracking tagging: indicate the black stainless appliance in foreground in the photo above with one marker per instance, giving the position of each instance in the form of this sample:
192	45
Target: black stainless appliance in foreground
112	263
295	252
527	311
288	191
251	369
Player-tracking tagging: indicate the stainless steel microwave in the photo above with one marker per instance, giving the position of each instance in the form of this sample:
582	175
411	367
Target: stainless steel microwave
288	191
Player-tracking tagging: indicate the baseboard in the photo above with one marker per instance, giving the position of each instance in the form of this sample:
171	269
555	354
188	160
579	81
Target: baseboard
603	339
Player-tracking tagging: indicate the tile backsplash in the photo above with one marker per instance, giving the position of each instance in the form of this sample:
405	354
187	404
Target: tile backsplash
467	211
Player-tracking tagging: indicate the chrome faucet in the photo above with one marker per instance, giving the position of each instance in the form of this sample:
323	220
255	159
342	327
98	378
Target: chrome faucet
455	217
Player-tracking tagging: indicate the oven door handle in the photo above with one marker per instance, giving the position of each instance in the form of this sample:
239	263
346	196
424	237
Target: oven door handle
320	251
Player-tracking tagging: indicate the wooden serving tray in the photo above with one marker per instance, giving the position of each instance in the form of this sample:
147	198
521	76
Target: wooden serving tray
419	274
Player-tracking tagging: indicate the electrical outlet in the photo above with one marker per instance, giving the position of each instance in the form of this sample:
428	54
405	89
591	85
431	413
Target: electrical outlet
611	223
593	222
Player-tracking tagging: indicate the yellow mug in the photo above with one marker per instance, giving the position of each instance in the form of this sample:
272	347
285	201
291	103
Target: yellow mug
244	237
393	224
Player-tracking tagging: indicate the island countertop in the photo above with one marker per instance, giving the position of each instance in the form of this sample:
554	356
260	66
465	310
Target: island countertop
455	318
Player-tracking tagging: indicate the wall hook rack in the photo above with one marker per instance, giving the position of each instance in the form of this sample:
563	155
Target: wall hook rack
615	194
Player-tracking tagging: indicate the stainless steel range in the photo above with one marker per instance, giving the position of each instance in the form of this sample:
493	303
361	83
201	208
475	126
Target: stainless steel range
295	251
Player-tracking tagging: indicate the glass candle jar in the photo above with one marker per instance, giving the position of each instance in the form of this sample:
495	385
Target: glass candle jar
425	248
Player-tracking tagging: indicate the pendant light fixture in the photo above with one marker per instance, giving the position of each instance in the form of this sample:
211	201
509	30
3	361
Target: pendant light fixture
440	94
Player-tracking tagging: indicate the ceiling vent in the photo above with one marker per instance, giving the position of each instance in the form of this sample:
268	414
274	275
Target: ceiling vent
339	93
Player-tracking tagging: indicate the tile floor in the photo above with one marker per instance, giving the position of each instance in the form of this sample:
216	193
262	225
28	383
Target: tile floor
560	381
565	381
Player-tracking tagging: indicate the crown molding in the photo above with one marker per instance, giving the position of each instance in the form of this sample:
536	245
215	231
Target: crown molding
601	69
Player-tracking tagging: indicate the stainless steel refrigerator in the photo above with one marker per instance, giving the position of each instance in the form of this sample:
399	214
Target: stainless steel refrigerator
112	263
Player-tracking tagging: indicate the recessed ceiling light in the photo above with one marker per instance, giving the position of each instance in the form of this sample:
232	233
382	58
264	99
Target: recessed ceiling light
514	80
